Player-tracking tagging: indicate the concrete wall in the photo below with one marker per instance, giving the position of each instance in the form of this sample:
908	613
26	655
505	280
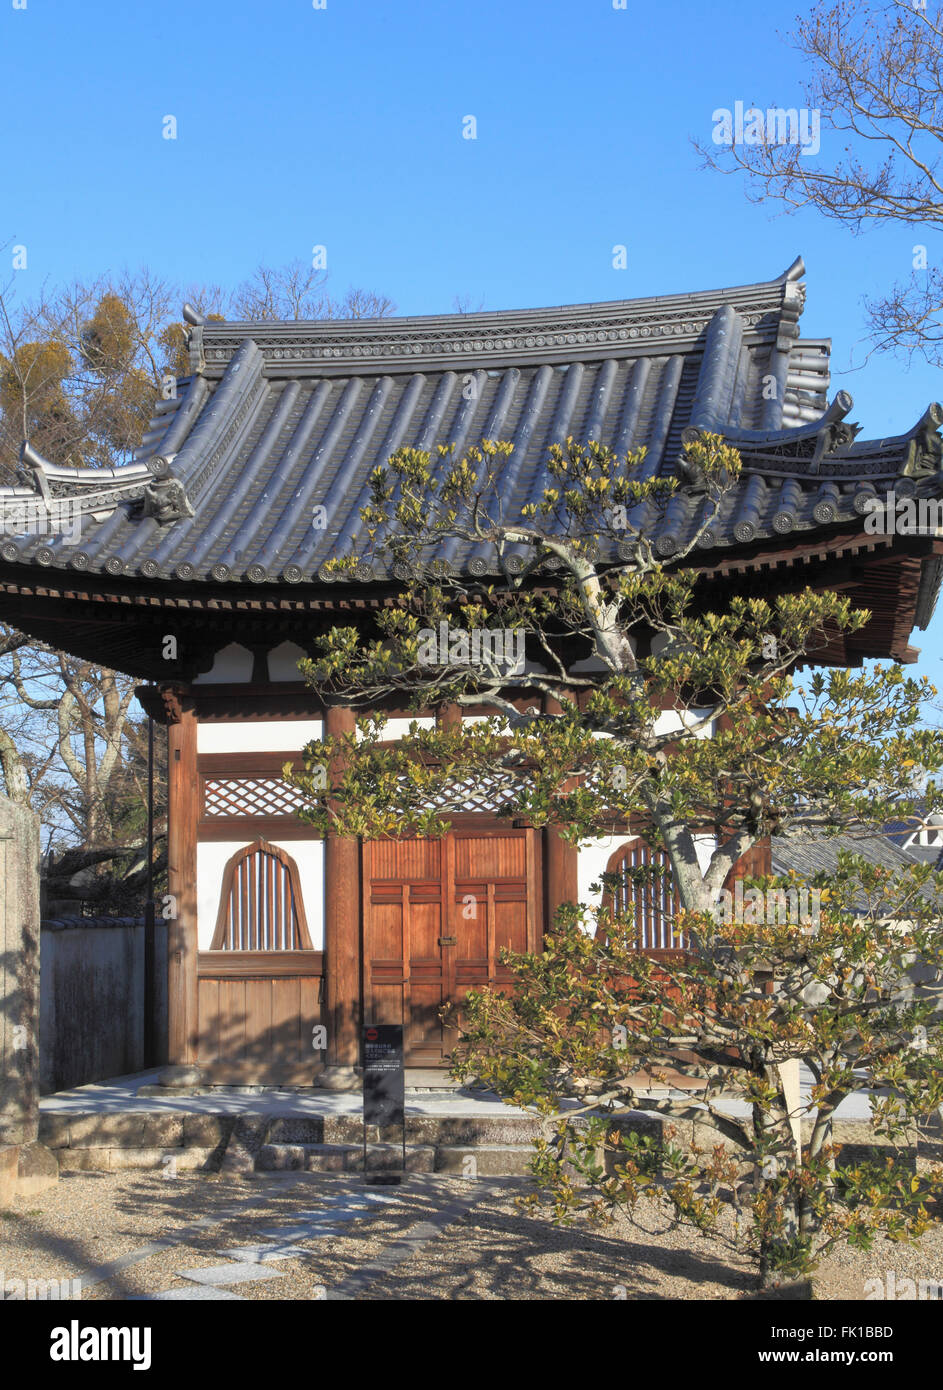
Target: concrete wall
91	1023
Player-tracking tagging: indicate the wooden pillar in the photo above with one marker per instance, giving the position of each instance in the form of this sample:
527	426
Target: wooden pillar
182	944
561	880
342	943
449	716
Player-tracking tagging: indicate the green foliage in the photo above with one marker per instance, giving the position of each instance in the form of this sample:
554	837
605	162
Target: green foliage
31	385
109	339
623	743
592	1024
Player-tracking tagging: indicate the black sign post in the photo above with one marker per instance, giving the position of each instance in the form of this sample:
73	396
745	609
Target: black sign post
384	1087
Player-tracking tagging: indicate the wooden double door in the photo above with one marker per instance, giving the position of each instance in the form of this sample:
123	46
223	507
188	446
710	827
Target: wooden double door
436	916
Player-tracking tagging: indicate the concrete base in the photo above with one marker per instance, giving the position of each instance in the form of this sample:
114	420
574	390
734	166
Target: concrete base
123	1124
37	1169
180	1077
337	1078
434	1079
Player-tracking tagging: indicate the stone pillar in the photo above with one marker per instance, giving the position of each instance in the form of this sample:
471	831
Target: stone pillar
342	938
26	1166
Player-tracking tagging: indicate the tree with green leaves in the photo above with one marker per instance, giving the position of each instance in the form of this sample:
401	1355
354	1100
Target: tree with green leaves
686	723
594	1025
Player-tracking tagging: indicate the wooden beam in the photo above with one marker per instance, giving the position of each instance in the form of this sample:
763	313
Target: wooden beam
342	935
182	943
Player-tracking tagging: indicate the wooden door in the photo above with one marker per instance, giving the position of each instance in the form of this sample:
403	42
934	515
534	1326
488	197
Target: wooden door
436	915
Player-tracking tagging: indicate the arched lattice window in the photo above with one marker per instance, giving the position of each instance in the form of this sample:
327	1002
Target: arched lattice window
652	900
260	908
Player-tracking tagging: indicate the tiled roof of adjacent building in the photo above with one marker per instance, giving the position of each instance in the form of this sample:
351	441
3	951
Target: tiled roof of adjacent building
277	419
814	855
807	857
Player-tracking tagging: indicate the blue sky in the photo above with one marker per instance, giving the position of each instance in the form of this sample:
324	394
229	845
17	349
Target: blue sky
342	127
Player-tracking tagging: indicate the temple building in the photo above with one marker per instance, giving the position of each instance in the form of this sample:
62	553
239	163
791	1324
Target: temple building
198	567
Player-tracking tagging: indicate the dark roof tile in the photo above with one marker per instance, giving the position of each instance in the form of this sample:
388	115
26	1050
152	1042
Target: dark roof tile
278	419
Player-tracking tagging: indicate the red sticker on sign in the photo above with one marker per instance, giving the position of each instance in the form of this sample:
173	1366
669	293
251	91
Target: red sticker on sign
372	1034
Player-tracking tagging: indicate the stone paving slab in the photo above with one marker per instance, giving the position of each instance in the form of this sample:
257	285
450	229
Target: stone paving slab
271	1254
198	1293
234	1273
121	1095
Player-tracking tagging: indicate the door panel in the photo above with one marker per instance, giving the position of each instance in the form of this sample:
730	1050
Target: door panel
436	915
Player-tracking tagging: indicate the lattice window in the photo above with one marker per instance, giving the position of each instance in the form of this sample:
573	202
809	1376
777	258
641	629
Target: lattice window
475	793
250	796
652	900
261	907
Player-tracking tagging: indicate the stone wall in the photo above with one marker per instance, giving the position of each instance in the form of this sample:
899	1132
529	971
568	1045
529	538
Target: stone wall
92	1001
25	1165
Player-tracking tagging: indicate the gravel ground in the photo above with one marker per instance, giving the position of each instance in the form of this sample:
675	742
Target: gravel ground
493	1251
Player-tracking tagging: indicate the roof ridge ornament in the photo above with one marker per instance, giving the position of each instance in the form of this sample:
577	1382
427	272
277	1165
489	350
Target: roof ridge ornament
925	454
793	305
834	433
147	482
166	498
166	501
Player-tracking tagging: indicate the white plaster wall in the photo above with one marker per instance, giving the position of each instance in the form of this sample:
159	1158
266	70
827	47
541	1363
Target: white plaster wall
233	663
211	859
595	855
480	719
283	662
671	719
591	862
257	735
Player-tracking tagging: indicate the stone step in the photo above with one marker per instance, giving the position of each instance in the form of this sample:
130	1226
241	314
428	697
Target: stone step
468	1161
344	1158
103	1159
131	1129
485	1160
420	1129
157	1130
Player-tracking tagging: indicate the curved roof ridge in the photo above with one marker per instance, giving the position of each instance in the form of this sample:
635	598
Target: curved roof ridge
620	327
788	277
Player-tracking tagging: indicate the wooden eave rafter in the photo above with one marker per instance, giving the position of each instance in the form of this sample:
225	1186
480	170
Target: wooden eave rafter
113	636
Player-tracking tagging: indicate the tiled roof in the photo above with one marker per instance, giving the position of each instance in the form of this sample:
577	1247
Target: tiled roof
820	855
279	419
810	856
